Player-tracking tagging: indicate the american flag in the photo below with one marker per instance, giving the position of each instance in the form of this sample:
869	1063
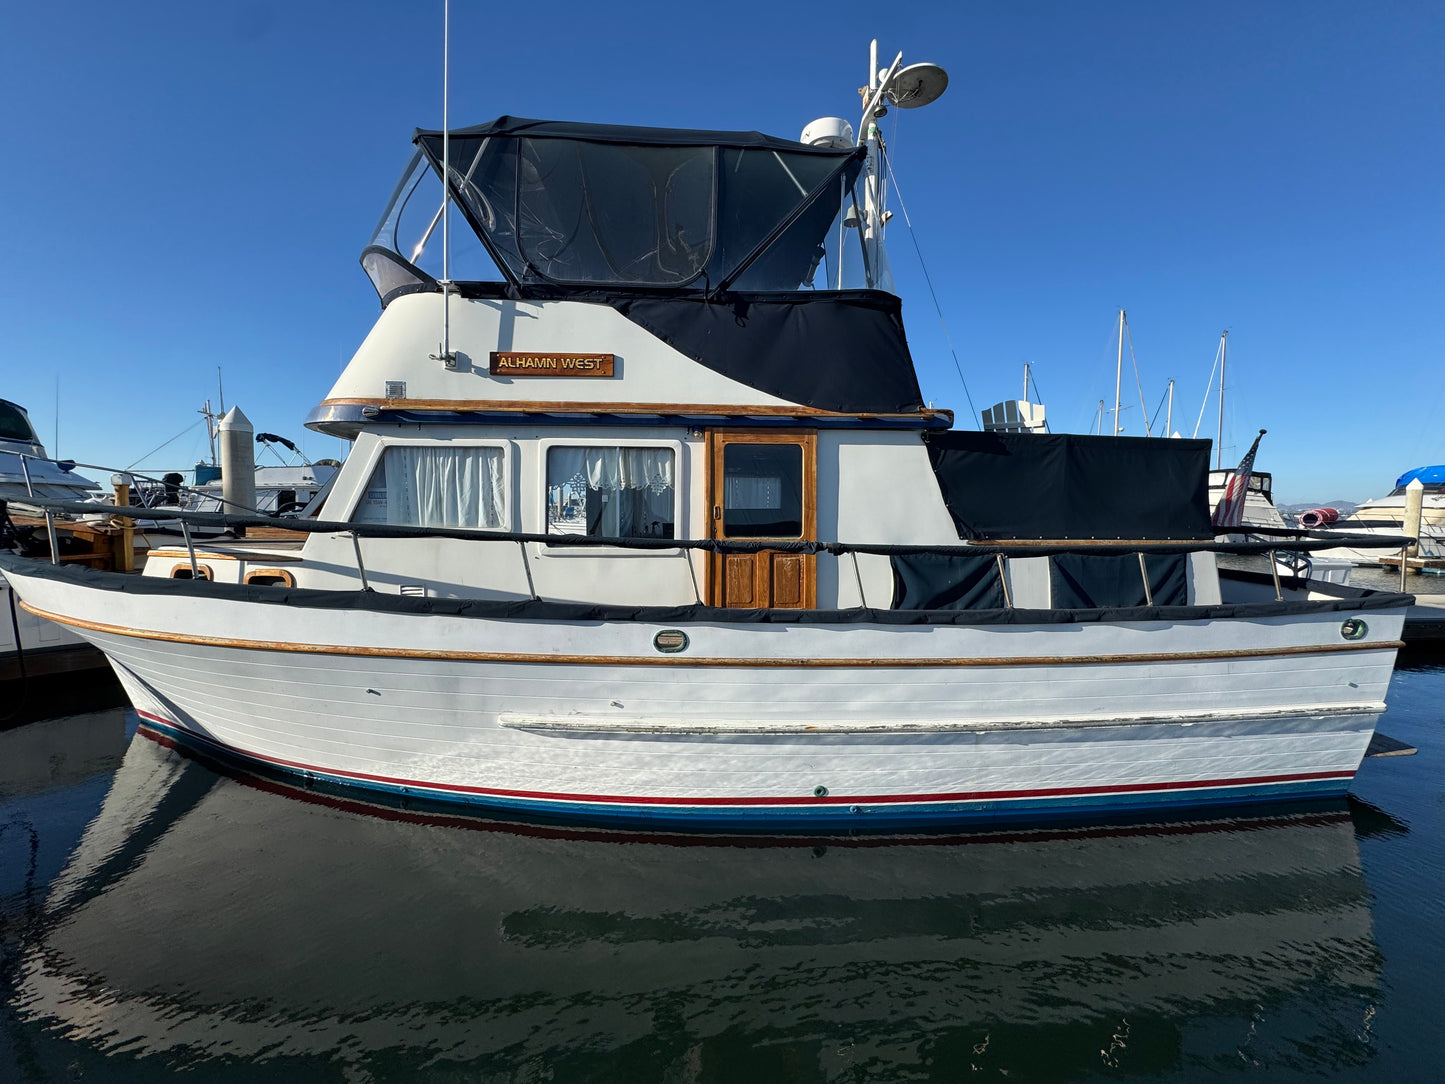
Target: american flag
1230	512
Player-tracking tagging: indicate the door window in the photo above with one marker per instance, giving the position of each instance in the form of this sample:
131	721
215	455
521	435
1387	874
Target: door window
762	491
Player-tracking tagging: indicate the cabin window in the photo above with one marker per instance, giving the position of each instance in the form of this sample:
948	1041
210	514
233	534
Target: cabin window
14	425
426	486
183	572
611	492
762	491
271	577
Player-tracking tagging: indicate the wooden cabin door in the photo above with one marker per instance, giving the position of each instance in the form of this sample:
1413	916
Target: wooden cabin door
762	487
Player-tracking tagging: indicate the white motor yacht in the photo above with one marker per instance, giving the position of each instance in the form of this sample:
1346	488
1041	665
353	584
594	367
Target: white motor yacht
1386	515
31	646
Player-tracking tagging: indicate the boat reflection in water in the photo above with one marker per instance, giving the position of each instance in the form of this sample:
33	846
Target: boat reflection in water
212	918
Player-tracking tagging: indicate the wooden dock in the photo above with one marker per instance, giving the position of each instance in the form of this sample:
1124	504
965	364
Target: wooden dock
1425	621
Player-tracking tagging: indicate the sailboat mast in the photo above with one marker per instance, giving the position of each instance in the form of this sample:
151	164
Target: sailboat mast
446	350
1223	358
1026	382
1169	415
1118	372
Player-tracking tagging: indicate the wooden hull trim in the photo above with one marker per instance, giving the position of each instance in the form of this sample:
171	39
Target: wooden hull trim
687	662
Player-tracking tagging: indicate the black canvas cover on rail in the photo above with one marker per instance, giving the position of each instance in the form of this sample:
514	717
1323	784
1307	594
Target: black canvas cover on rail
1082	580
932	581
1072	486
1331	598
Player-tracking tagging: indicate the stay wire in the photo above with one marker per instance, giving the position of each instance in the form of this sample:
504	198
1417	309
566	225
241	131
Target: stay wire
1155	416
934	293
1208	390
1143	407
1035	382
173	439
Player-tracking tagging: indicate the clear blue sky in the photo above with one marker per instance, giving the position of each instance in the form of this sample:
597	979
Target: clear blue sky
189	185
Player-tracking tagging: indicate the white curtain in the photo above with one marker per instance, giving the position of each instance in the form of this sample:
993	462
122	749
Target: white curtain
612	469
621	492
437	487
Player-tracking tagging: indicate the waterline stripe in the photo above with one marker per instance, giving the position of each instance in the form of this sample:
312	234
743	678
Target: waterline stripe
831	801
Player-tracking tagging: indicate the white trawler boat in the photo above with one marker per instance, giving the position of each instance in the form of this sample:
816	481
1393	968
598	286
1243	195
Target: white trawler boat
663	531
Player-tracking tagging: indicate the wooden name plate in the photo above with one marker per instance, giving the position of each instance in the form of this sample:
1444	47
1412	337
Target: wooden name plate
506	363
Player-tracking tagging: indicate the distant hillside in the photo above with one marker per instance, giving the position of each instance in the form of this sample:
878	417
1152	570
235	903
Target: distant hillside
1343	507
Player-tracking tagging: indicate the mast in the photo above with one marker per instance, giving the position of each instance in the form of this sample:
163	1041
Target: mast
444	349
210	429
1118	372
1026	382
1223	358
1169	416
446	183
879	86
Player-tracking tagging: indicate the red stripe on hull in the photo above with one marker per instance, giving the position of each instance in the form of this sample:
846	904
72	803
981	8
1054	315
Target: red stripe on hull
830	800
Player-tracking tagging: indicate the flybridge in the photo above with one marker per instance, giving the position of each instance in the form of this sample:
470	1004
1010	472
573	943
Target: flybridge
560	204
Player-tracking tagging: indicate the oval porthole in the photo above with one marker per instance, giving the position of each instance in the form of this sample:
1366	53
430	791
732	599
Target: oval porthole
670	641
1354	629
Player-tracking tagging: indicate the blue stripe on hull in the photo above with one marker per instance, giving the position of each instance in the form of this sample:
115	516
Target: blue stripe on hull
784	818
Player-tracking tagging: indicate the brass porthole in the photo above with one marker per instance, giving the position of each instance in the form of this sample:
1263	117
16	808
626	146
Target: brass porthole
670	641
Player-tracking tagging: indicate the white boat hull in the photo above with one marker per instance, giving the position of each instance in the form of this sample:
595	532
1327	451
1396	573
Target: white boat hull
765	724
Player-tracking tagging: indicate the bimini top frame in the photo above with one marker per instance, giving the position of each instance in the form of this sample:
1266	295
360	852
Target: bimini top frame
617	207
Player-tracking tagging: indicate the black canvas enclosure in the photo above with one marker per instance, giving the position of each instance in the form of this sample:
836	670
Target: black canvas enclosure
1080	581
1068	486
841	351
931	581
597	204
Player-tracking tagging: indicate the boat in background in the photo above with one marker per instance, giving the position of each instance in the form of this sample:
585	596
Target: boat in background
1260	511
1387	515
31	646
287	488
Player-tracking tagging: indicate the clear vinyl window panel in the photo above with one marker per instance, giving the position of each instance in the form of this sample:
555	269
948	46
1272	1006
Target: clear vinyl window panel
14	425
421	486
762	491
611	492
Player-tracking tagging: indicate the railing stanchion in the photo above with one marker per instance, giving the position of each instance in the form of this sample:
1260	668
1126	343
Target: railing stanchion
692	573
858	579
527	568
49	519
1404	566
1274	571
190	549
360	566
1003	581
1144	573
